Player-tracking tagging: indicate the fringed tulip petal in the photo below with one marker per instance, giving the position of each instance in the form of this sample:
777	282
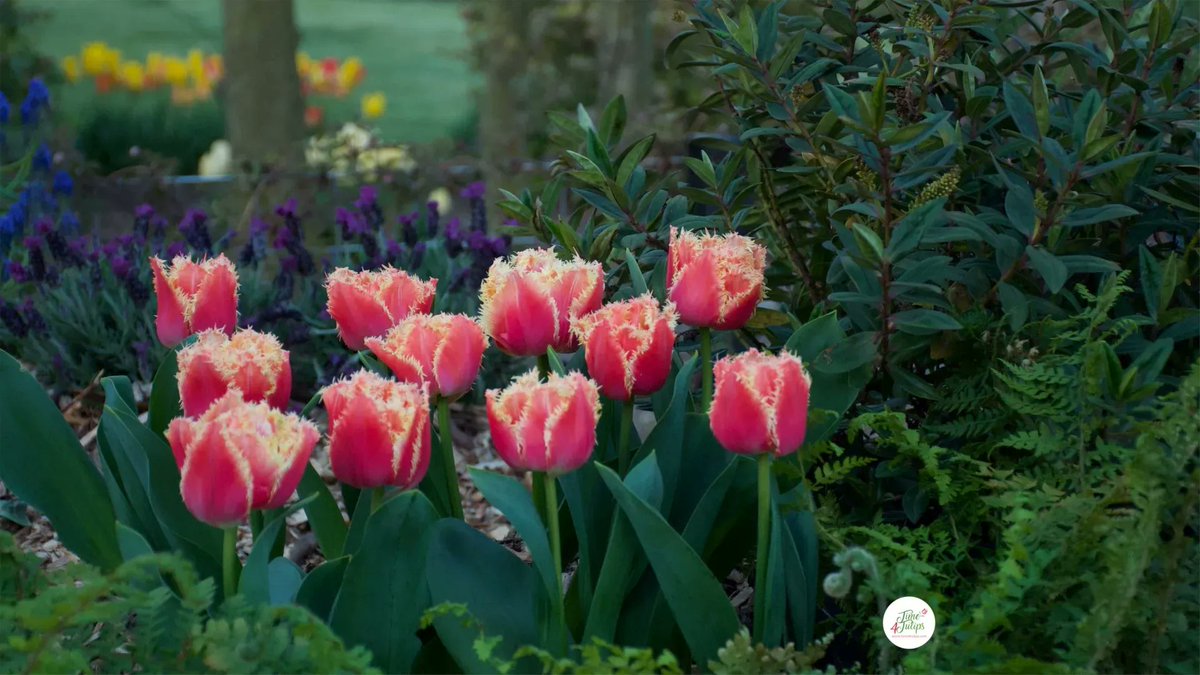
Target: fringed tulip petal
169	320
628	346
760	404
545	426
367	304
252	362
216	482
193	297
443	352
379	431
715	281
529	300
239	456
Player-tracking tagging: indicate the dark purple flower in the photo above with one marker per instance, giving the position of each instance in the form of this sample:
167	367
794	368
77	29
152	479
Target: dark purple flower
418	254
501	245
33	318
120	265
17	272
431	218
37	258
287	209
393	249
39	92
510	222
454	244
478	242
256	244
176	249
474	190
194	228
11	317
5	110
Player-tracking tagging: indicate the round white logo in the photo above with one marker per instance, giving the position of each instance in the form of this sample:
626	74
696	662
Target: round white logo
909	622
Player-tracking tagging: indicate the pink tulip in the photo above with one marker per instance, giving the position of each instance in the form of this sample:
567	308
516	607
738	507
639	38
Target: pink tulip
193	297
253	362
715	281
239	456
629	346
545	426
378	431
528	301
761	403
367	304
443	351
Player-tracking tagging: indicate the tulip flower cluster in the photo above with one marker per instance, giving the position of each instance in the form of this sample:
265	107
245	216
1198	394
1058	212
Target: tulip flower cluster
193	77
238	452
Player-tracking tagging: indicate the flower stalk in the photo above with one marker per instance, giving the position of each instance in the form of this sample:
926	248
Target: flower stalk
707	365
556	553
623	458
761	597
451	473
229	562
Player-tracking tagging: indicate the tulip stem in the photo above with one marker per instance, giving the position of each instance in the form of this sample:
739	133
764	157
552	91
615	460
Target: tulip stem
443	410
623	443
256	524
543	363
229	562
539	480
556	553
764	545
377	498
707	365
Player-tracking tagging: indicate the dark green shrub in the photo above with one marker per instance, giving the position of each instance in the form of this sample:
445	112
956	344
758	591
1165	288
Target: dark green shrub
123	130
152	614
986	214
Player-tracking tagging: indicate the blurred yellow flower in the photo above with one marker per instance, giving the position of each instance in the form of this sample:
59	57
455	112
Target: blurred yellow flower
156	67
96	58
70	68
374	105
442	197
133	75
350	73
175	71
303	63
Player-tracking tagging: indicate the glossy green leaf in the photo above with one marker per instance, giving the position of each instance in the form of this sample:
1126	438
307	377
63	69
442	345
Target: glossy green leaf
383	594
696	598
924	321
320	587
323	513
635	274
1053	271
499	590
255	581
164	395
36	437
623	561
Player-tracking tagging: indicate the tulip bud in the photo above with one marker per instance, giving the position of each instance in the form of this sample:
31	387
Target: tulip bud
378	431
528	301
715	281
545	426
761	403
443	351
193	297
367	304
629	346
253	362
239	456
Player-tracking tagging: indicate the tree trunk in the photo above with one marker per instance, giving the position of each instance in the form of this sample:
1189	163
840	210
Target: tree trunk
626	59
264	111
502	112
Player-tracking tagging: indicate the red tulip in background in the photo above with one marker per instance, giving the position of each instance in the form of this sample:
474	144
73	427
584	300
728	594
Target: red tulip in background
715	281
367	304
253	362
761	403
193	297
239	456
378	431
443	351
545	426
628	346
528	301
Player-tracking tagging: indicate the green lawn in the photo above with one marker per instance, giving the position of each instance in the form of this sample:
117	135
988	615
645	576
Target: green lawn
413	49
